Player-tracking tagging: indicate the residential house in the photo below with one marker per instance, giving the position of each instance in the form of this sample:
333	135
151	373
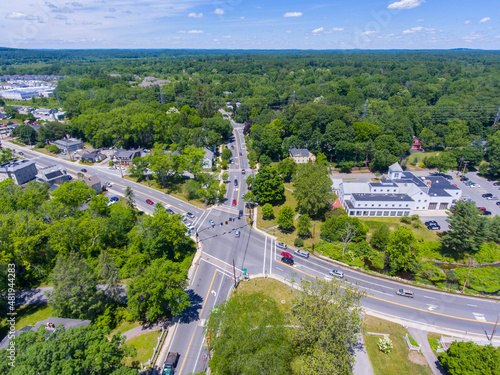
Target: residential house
301	155
21	171
50	324
94	182
126	156
54	174
401	194
209	159
92	157
69	144
417	145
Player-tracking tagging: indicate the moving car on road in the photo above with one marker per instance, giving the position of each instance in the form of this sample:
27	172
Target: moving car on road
286	255
405	293
190	215
234	202
281	245
237	233
287	261
486	213
487	195
170	363
212	223
235	182
150	202
337	273
301	253
83	170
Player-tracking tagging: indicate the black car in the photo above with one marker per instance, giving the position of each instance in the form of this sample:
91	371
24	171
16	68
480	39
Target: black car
431	222
496	183
464	179
487	195
486	213
433	227
287	260
498	203
171	212
84	170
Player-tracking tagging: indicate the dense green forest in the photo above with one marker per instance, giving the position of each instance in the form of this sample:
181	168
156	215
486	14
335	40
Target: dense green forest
356	107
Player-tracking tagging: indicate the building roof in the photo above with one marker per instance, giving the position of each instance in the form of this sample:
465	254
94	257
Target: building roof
15	165
52	175
209	154
355	187
395	167
90	155
68	142
126	154
299	152
382	197
92	180
389	183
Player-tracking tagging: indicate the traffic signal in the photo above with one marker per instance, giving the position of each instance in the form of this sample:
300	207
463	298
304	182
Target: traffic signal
226	222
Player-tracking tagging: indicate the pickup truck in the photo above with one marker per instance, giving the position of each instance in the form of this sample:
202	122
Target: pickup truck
170	363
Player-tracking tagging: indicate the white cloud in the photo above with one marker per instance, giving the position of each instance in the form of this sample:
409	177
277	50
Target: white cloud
181	32
369	32
322	30
406	4
195	32
413	30
318	30
242	17
467	22
20	16
292	14
420	20
219	11
216	40
485	19
195	15
337	29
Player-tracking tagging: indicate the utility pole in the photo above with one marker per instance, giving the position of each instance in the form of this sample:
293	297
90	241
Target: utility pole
469	263
494	328
208	348
234	274
293	98
496	118
465	167
460	166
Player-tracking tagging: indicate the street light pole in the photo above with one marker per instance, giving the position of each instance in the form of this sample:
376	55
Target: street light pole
495	328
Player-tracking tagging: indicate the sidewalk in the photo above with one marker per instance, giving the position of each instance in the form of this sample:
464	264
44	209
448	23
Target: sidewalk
141	330
363	365
420	337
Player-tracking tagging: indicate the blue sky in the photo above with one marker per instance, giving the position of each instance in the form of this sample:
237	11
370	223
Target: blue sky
276	24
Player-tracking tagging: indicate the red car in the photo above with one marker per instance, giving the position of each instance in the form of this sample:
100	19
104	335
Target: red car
482	208
234	202
149	201
286	255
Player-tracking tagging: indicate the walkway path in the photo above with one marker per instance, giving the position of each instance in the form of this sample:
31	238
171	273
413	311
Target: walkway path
362	365
141	330
420	337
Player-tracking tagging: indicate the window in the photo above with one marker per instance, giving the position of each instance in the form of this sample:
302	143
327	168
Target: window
407	205
388	190
372	213
419	201
380	205
400	213
386	213
365	213
393	205
373	205
393	213
379	213
374	190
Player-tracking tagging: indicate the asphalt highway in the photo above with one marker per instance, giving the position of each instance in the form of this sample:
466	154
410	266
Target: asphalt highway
214	275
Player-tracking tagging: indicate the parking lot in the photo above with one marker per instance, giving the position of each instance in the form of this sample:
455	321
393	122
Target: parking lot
476	193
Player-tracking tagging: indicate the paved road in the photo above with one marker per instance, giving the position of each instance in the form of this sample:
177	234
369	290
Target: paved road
258	253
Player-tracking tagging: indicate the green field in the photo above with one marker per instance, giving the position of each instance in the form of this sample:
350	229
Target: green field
144	344
421	155
27	315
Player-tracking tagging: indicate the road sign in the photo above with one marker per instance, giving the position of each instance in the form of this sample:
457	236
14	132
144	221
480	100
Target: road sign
244	272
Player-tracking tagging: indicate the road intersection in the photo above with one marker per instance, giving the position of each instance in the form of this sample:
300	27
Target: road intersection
257	252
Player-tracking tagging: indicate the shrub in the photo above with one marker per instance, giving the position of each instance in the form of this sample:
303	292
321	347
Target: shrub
267	211
418	224
414	217
406	220
385	345
298	242
40	145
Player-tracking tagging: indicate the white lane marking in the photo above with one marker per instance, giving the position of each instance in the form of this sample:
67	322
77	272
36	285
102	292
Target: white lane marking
271	253
280	269
479	316
431	307
469	304
264	263
429	297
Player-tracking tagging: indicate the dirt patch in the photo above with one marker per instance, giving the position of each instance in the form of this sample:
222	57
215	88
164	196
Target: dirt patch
417	358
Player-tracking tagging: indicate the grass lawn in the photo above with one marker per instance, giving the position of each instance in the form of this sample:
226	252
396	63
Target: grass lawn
272	288
398	360
27	315
144	345
421	155
393	222
124	327
176	191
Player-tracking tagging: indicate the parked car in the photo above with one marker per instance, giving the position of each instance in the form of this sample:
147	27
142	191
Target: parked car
83	170
474	185
468	183
150	202
493	198
170	363
281	245
190	215
301	253
427	223
237	233
189	226
212	223
234	202
112	167
337	273
486	195
242	171
170	211
496	183
498	203
405	293
285	254
114	199
434	227
464	178
483	208
235	182
287	261
486	213
109	184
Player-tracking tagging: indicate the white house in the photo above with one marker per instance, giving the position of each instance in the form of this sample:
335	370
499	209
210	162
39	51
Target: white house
400	194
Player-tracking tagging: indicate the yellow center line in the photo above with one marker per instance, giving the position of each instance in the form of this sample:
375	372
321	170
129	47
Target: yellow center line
239	165
396	303
201	312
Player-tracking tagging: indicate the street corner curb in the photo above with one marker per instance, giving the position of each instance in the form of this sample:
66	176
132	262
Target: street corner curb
254	227
195	262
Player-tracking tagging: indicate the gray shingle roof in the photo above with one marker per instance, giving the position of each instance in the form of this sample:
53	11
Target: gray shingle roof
395	167
382	197
300	152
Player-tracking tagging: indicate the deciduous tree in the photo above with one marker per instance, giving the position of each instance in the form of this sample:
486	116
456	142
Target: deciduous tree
313	188
285	218
268	186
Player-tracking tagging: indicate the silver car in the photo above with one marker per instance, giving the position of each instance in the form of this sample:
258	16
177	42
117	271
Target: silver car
337	273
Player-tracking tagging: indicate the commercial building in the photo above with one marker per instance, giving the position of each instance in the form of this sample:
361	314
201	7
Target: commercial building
401	194
54	174
21	171
69	144
94	182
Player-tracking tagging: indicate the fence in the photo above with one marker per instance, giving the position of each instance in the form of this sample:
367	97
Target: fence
151	360
410	345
